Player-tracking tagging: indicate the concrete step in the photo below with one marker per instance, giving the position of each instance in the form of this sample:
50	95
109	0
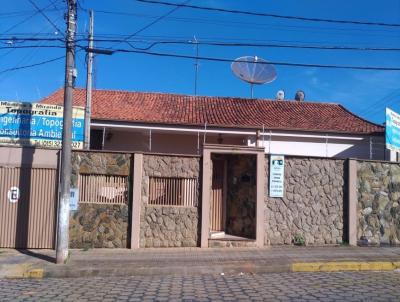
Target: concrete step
218	243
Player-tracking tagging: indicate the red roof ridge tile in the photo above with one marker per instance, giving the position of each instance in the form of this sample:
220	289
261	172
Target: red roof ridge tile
360	117
235	98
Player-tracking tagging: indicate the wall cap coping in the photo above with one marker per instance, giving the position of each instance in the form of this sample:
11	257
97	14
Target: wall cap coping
218	147
375	161
171	154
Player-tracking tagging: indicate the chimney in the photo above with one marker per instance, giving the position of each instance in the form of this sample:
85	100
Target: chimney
280	95
300	95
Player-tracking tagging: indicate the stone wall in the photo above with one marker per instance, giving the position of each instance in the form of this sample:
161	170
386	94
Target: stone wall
94	224
312	206
170	226
167	226
241	197
378	186
99	163
99	226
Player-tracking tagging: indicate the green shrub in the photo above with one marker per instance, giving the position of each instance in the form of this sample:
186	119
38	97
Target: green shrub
299	240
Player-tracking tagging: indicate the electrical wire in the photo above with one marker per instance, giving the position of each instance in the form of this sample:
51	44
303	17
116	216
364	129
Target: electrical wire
31	65
375	106
238	44
264	26
289	64
224	44
25	20
155	21
32	46
45	16
299	18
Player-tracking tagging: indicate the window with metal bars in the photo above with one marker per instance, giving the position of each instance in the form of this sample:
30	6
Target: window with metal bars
173	191
99	188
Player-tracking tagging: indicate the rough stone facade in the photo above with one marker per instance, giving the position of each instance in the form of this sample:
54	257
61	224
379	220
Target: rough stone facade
167	226
312	206
378	210
99	226
99	163
94	224
241	197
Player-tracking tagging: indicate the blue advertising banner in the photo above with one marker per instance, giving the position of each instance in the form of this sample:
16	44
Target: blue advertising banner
36	124
392	130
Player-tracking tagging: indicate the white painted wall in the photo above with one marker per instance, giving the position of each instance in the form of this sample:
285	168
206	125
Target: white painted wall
324	147
286	143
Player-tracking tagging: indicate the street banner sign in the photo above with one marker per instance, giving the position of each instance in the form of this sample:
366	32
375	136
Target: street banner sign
392	130
276	175
38	125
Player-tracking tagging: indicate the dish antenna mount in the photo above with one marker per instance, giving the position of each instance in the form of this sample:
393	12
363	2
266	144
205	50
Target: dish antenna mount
253	70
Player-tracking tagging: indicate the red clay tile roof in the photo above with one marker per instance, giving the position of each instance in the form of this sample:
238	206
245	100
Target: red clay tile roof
162	108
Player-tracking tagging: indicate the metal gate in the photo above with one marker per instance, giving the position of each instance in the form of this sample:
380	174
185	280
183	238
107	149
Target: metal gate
217	197
28	207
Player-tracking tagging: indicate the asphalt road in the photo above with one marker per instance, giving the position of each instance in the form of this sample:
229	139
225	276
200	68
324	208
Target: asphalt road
344	286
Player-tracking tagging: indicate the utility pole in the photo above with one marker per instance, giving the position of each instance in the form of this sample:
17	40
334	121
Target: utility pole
64	197
88	108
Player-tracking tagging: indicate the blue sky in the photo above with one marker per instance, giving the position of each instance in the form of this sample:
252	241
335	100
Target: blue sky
364	92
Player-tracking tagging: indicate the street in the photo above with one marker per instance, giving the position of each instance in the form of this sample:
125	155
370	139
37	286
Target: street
343	286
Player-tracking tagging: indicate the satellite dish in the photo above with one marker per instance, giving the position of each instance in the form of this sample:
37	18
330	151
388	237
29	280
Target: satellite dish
253	70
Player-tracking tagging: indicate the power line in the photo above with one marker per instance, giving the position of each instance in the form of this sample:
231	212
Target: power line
372	108
227	44
240	24
25	39
238	44
32	46
17	14
45	16
155	21
271	15
14	40
271	62
31	65
24	20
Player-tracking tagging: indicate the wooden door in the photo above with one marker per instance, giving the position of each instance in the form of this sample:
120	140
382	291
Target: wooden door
217	196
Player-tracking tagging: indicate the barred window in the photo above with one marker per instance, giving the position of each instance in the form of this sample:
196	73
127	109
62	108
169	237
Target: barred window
173	191
99	188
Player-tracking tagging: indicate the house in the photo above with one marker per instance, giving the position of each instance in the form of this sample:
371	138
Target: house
167	170
181	124
199	171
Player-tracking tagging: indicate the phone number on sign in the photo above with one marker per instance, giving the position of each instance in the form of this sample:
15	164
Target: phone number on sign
56	144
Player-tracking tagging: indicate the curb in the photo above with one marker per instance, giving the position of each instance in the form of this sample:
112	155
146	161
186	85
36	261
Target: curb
26	271
344	266
23	270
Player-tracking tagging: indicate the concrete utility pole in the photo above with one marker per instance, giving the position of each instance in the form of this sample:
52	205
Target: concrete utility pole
88	108
64	197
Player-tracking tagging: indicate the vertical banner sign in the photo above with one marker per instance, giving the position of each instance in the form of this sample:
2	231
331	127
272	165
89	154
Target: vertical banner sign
276	175
392	130
38	125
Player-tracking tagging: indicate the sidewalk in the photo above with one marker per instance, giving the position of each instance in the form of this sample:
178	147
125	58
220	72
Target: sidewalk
192	261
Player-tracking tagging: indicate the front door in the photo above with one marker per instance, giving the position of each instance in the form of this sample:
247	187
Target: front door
217	211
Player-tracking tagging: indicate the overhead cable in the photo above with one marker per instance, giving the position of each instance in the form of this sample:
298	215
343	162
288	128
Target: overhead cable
207	43
45	16
31	65
242	12
290	64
